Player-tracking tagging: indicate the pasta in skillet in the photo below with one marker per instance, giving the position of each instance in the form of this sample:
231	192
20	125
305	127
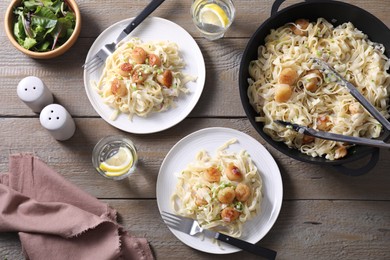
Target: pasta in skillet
286	84
141	78
220	192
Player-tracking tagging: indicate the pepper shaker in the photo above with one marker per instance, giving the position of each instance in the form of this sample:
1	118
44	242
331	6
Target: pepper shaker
57	120
34	93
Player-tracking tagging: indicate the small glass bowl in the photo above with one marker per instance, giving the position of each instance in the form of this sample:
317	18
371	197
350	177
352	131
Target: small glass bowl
107	147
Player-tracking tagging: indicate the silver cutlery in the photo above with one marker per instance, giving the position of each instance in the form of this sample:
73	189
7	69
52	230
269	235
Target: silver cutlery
334	137
192	227
101	56
327	69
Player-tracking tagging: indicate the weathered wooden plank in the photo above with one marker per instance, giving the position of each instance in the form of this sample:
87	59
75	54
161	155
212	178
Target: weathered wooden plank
220	95
318	229
72	158
222	59
249	14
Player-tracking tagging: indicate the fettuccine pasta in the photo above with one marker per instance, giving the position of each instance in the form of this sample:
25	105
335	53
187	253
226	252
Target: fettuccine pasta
140	78
286	84
220	192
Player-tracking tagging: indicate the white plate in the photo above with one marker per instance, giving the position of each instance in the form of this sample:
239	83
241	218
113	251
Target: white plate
153	28
210	139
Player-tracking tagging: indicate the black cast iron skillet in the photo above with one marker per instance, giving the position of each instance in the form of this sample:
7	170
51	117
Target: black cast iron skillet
336	13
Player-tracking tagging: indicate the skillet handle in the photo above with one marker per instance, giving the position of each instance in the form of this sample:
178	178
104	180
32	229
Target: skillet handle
362	170
275	6
278	3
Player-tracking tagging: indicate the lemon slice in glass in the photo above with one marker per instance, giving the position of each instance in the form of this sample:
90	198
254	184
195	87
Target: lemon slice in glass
118	164
213	14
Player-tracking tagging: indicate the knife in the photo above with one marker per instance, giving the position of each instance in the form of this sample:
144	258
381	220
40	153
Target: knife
191	227
137	20
268	253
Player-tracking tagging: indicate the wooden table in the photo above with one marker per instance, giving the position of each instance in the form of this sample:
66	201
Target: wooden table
325	215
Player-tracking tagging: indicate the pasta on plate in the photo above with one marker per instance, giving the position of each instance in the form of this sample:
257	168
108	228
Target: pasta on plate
220	192
286	84
141	78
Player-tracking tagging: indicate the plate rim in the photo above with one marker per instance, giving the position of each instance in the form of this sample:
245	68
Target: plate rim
200	82
279	190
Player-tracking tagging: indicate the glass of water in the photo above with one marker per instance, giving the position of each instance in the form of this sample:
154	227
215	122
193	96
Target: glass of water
115	157
212	17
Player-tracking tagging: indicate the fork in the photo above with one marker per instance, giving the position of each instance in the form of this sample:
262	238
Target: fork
109	48
192	227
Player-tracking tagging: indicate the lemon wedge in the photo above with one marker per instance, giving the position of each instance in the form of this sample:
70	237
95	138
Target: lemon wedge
118	164
213	14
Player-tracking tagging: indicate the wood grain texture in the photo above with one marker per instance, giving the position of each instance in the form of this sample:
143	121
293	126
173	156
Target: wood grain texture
320	229
72	158
222	58
325	214
220	91
249	14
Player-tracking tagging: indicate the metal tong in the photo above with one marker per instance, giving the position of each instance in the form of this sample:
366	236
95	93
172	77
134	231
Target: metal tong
327	69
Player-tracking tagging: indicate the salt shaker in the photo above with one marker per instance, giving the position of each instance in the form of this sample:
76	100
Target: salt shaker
57	121
34	93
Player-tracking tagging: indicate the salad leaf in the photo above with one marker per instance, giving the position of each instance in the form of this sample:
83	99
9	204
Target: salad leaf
43	25
19	30
29	42
44	46
55	6
44	17
61	30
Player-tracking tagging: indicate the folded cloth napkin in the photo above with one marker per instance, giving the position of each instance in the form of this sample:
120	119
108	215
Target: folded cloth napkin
56	220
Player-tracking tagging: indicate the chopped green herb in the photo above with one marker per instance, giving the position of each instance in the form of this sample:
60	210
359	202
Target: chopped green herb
224	185
239	206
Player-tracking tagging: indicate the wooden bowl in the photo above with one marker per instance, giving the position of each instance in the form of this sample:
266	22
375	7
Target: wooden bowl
9	25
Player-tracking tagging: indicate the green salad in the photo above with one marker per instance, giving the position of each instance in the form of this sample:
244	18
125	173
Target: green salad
43	25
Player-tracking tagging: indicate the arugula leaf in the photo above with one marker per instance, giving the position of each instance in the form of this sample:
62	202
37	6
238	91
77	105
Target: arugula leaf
56	7
43	46
44	17
69	32
29	42
32	4
71	17
19	30
61	30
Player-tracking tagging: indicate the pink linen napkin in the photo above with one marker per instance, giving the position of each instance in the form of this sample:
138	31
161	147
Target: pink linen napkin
56	220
